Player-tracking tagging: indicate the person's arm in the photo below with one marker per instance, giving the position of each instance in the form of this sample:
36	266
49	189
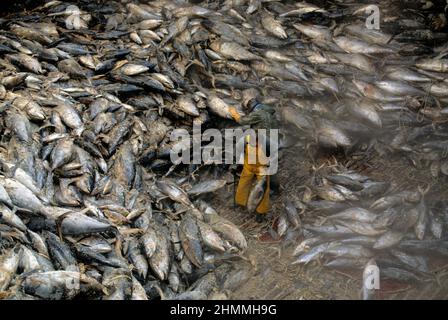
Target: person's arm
250	119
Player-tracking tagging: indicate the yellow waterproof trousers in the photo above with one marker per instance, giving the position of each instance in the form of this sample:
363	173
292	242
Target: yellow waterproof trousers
249	173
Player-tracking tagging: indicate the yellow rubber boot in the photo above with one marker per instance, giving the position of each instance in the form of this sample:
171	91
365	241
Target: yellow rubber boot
244	185
264	205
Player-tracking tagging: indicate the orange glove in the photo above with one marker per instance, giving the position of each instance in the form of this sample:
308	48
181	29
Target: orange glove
234	113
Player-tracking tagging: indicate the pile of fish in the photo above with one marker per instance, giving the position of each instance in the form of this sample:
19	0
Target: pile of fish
85	210
360	219
90	95
383	97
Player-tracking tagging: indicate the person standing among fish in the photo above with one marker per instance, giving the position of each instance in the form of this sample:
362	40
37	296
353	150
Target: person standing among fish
258	116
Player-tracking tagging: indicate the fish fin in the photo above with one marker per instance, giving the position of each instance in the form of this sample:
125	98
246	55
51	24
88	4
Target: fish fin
59	221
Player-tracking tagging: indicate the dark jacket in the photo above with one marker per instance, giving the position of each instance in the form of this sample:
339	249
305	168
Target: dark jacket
263	117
